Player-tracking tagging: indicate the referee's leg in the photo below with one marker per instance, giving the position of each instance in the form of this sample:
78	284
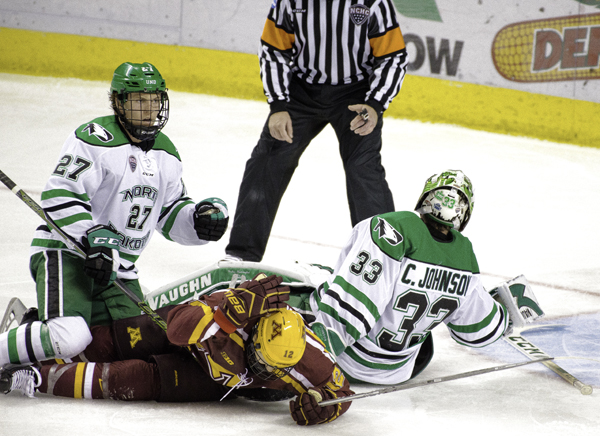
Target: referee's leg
366	185
266	177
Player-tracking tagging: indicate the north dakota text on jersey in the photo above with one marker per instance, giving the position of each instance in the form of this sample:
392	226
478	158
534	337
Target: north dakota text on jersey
139	191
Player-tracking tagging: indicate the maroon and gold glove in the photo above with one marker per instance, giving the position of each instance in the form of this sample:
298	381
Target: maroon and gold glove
305	409
251	300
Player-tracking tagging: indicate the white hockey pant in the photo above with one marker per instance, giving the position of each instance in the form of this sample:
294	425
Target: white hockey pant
57	338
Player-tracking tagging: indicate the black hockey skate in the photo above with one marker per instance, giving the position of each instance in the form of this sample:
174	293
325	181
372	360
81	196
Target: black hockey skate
30	316
24	378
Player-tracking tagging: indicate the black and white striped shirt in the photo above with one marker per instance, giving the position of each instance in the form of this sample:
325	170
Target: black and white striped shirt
333	42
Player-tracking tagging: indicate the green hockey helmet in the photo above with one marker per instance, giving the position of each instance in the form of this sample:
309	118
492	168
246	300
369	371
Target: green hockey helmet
140	100
448	199
130	77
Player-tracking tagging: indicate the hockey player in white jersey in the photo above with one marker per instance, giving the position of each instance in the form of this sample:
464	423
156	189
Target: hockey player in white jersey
399	276
117	181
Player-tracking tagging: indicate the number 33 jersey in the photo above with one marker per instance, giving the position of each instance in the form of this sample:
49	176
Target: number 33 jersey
101	178
392	284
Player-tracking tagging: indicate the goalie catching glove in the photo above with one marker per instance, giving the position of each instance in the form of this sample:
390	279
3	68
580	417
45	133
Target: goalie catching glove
102	260
305	407
210	219
251	300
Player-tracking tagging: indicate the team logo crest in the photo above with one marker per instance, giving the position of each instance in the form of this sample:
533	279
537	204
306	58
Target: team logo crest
98	131
386	231
135	336
132	163
276	330
359	14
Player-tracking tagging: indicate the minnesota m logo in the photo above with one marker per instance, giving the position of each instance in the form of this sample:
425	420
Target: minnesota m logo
276	326
135	335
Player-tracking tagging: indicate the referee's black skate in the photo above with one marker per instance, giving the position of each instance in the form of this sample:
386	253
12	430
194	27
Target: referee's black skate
24	378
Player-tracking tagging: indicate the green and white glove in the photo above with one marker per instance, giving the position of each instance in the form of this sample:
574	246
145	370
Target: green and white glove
102	248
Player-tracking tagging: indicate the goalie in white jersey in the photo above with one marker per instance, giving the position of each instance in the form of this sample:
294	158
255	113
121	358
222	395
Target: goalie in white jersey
118	179
399	276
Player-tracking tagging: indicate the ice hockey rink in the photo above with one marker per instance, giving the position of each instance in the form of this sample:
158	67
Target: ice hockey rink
536	213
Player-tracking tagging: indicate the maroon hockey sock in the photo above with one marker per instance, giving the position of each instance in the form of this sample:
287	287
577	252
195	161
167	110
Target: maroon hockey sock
131	380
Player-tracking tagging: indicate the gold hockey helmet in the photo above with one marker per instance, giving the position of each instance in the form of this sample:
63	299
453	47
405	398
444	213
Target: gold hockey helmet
278	343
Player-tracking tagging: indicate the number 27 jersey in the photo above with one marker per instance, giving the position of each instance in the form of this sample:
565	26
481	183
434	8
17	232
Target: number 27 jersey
102	178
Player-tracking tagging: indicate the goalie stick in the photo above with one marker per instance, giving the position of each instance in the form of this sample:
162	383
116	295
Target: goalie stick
405	386
532	351
523	309
73	245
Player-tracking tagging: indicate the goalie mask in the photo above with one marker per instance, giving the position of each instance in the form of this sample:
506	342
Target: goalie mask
139	99
278	343
448	199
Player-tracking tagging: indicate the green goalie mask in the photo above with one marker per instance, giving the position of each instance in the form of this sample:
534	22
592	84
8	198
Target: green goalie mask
447	198
139	99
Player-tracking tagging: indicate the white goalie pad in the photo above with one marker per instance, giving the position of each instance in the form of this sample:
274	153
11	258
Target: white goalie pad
520	301
228	274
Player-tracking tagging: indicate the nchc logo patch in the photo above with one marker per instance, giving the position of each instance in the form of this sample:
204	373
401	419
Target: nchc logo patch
132	163
359	14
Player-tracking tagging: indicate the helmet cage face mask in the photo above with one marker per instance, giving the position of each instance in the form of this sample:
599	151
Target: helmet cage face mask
448	199
257	364
142	114
277	343
446	206
139	99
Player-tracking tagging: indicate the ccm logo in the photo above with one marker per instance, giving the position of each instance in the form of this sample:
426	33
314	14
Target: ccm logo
106	241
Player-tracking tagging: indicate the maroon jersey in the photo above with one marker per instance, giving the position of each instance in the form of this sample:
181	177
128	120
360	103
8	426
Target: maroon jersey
223	355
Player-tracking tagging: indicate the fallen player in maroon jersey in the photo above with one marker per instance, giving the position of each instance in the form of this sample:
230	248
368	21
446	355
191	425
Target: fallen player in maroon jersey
243	342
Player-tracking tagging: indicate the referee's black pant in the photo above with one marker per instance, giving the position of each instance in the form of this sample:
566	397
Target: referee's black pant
272	164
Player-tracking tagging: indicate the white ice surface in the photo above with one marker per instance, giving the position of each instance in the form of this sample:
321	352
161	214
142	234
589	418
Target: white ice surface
536	214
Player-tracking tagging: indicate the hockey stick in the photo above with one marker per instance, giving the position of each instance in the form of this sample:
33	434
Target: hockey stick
532	351
404	386
73	245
